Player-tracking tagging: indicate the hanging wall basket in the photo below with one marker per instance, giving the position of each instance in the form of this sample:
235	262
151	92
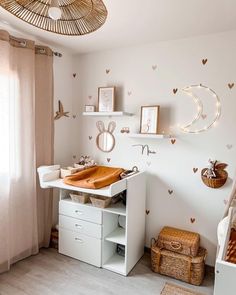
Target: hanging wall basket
218	181
79	17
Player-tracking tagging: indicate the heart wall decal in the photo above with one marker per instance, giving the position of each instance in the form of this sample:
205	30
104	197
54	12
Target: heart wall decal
147	212
229	146
129	93
192	220
74	75
108	71
170	192
195	170
204	61
175	90
154	67
204	116
230	85
90	137
173	141
108	160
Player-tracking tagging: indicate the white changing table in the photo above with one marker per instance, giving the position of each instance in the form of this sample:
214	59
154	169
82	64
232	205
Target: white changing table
92	234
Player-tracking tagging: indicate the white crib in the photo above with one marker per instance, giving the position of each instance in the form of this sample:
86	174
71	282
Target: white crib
225	272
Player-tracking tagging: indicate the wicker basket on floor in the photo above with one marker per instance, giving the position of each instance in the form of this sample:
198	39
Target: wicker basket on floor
178	240
182	267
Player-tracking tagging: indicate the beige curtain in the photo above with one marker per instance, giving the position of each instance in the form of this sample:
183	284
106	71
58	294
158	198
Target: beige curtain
26	140
44	136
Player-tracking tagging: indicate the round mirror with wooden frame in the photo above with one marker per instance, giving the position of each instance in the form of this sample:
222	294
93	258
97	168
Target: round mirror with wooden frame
105	139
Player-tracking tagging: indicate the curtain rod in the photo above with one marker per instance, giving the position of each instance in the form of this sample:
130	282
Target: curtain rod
23	44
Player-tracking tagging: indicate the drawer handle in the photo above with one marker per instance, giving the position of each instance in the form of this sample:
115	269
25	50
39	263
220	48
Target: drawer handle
78	225
79	240
78	212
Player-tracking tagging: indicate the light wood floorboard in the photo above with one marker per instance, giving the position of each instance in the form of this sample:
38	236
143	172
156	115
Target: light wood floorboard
50	273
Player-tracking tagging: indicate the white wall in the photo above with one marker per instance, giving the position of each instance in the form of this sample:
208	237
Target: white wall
65	90
171	168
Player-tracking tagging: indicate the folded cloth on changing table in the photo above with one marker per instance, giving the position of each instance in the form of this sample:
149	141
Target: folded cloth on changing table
95	177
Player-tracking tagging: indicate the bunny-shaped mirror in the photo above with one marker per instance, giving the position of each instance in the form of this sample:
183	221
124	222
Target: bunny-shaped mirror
105	139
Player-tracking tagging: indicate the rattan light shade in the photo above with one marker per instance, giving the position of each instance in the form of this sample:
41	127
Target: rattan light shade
79	17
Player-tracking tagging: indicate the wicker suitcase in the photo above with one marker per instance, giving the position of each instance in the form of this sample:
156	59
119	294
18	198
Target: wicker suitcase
182	267
180	241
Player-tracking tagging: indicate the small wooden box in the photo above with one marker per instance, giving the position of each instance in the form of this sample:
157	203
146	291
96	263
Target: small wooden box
182	267
180	241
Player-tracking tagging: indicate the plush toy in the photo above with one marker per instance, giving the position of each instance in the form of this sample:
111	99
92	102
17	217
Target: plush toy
86	161
210	171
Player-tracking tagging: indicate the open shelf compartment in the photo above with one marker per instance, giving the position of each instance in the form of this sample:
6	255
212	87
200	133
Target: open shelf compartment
116	263
117	236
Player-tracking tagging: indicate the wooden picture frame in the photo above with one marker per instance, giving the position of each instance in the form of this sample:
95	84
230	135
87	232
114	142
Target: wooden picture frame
149	119
106	99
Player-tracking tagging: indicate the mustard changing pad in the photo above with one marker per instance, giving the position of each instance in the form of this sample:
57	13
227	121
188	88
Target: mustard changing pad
94	177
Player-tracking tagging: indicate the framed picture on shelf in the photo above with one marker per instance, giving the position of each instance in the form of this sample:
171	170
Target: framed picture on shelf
149	119
106	99
89	108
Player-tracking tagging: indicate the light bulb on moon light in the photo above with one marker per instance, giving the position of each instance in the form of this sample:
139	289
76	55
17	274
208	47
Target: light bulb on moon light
54	10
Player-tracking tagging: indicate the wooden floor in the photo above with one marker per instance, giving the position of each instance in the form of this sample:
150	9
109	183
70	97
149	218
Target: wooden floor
50	273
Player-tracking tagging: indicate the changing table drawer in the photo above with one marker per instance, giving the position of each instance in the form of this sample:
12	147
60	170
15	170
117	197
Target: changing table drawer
81	226
80	246
80	211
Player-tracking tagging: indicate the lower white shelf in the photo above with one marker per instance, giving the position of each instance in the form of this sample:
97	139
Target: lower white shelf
116	263
117	236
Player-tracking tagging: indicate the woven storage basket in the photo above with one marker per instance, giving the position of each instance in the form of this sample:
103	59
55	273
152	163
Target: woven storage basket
180	241
82	198
101	202
182	267
217	182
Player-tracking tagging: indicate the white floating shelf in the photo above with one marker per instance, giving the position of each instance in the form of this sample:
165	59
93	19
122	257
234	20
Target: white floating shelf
116	263
117	236
147	136
106	114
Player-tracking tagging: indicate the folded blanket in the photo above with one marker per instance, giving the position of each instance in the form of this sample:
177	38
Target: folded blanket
95	177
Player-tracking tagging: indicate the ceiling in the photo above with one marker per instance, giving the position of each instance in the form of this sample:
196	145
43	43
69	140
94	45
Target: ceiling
134	22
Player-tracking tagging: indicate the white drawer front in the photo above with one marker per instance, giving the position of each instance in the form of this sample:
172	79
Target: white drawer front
80	211
81	226
80	247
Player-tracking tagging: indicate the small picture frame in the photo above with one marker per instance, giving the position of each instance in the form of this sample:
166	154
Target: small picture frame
149	119
106	99
89	108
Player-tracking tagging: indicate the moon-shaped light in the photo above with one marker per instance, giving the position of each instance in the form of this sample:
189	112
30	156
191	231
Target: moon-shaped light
188	91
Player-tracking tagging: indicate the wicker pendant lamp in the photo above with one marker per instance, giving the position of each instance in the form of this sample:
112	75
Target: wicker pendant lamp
65	17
